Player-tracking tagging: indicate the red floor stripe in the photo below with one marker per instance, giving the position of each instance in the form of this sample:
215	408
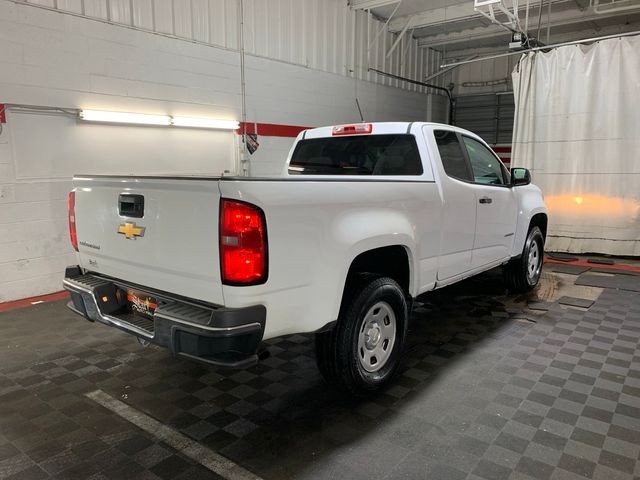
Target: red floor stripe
584	263
27	302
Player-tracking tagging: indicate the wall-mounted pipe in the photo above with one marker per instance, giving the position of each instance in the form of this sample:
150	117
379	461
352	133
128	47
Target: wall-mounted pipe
423	84
41	109
243	161
488	83
548	20
446	70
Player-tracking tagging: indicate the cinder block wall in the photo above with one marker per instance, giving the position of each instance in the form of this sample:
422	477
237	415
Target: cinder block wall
306	65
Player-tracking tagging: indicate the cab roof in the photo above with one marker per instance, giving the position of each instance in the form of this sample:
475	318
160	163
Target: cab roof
375	128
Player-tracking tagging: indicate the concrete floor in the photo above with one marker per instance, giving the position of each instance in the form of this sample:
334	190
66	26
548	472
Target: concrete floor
488	389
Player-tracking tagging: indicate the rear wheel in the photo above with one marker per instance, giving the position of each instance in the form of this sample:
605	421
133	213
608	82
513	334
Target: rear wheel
363	350
523	273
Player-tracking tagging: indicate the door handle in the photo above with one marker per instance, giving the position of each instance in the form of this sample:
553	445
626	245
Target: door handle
485	200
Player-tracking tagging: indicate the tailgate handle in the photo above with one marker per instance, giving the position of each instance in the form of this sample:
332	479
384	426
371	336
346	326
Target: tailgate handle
130	205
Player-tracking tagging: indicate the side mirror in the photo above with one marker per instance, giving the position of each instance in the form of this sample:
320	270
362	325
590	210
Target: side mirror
520	176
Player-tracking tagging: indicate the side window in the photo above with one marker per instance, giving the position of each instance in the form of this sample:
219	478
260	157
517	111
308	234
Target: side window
486	168
453	159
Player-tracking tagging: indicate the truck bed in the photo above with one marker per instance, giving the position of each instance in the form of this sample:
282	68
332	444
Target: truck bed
312	222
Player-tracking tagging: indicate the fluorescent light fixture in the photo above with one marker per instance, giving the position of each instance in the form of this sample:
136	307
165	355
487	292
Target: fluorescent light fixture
205	123
124	117
166	120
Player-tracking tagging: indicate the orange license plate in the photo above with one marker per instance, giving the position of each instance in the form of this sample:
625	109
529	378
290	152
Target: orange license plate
141	304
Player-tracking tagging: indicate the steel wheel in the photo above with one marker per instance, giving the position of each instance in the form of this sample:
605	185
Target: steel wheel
522	273
534	262
363	350
376	337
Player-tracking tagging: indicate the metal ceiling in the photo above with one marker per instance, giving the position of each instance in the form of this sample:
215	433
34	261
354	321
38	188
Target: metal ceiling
453	26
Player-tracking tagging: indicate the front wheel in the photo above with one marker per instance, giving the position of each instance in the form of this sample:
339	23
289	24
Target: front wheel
523	273
363	351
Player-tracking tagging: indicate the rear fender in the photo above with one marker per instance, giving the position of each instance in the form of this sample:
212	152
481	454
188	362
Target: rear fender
359	234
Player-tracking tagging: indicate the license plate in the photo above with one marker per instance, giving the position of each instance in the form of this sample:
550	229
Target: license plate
141	304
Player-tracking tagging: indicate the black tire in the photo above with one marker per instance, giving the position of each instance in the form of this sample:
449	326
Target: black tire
518	274
337	351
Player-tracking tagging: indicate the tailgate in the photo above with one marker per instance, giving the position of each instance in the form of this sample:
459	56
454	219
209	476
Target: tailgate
172	245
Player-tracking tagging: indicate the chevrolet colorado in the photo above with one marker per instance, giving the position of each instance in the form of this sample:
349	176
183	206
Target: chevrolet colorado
364	218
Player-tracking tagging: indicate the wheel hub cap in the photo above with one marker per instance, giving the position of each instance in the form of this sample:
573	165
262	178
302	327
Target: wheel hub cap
376	337
373	336
533	261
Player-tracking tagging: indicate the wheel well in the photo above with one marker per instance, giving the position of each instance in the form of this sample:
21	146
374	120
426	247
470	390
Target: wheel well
540	220
392	262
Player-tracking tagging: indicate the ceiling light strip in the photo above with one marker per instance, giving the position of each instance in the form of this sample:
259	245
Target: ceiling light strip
124	117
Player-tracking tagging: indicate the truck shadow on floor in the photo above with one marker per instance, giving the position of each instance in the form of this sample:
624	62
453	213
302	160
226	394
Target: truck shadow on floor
279	419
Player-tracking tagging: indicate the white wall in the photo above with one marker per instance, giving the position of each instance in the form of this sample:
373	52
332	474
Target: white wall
292	95
323	35
49	58
66	145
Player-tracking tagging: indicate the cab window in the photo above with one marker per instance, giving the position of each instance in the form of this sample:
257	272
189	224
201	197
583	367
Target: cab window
486	167
453	159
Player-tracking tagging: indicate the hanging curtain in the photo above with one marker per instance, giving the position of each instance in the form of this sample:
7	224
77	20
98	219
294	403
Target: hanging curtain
577	128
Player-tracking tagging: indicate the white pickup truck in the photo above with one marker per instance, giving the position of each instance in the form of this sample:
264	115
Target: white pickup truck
364	218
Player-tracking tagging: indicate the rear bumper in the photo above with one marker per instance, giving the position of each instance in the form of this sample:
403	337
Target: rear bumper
213	335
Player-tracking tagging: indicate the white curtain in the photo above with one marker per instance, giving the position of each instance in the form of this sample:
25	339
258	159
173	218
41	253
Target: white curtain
577	128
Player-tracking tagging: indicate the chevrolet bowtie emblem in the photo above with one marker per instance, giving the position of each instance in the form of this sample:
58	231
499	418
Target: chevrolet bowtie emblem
129	230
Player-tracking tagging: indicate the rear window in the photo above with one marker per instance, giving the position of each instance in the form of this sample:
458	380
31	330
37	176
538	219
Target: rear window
357	155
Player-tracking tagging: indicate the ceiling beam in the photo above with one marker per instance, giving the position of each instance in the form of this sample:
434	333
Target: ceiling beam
365	4
462	54
481	33
398	40
478	33
453	13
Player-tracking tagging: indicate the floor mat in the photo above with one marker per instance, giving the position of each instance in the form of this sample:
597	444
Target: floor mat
613	271
601	261
570	269
619	282
545	306
563	257
576	302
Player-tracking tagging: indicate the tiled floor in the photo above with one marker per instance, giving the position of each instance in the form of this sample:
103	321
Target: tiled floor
487	390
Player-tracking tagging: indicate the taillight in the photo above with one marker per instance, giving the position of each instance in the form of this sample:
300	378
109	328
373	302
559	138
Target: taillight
243	243
358	129
73	235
